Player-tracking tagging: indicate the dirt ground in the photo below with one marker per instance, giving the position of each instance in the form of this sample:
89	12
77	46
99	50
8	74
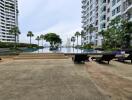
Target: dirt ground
47	80
114	79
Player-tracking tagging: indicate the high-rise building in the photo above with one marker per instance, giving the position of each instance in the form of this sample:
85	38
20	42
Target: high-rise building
90	17
68	43
98	13
8	19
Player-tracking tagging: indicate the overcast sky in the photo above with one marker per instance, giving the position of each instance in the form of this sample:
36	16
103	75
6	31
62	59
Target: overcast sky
42	16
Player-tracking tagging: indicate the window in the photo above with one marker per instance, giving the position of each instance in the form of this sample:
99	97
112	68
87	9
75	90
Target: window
108	18
91	13
113	12
97	22
118	1
91	7
108	10
91	19
113	2
103	9
103	26
108	1
104	1
103	17
90	1
118	9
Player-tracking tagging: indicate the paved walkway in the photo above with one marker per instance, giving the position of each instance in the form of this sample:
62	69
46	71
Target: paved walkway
46	80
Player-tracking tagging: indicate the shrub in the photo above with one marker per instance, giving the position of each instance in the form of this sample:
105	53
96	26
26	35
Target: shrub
11	45
88	46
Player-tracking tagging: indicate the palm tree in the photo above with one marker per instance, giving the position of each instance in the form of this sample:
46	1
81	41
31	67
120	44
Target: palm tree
77	34
91	29
42	38
73	40
82	36
30	34
14	31
38	39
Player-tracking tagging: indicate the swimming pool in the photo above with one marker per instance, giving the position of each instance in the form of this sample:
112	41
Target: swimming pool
61	50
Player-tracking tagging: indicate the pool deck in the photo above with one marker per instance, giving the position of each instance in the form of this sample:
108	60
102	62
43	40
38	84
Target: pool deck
61	79
47	80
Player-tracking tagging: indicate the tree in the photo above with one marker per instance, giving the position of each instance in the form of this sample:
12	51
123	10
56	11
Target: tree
82	36
14	31
106	39
91	29
118	34
77	34
127	33
53	39
30	35
42	38
73	39
38	39
113	35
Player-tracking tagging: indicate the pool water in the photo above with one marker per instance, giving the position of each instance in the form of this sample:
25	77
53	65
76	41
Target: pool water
61	50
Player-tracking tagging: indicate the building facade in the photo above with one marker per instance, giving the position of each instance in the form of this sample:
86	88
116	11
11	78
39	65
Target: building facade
89	17
8	19
99	13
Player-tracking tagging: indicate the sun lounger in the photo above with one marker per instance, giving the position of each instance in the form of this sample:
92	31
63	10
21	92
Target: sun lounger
106	57
80	58
122	59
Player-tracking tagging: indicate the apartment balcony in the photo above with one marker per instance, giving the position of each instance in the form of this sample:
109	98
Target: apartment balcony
83	1
83	16
83	12
84	7
84	26
129	16
83	21
131	19
103	3
127	6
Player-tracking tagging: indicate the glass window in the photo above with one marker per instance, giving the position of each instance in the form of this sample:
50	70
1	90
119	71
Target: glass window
118	1
118	9
113	2
103	26
113	12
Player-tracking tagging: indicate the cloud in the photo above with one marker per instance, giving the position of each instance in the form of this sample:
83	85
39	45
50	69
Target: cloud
27	7
65	30
42	16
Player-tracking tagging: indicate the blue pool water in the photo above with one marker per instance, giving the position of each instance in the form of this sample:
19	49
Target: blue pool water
61	50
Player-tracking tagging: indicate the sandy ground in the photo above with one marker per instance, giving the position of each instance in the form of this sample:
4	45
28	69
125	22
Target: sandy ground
114	79
47	80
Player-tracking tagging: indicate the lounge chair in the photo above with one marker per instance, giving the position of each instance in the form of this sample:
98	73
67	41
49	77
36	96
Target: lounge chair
80	58
122	59
106	57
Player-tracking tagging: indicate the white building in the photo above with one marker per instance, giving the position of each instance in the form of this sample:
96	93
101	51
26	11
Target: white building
90	17
8	19
68	43
99	13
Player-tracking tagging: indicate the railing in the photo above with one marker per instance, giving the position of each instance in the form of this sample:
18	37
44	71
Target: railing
126	5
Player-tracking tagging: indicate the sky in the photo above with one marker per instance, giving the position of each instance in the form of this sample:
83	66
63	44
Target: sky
43	16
